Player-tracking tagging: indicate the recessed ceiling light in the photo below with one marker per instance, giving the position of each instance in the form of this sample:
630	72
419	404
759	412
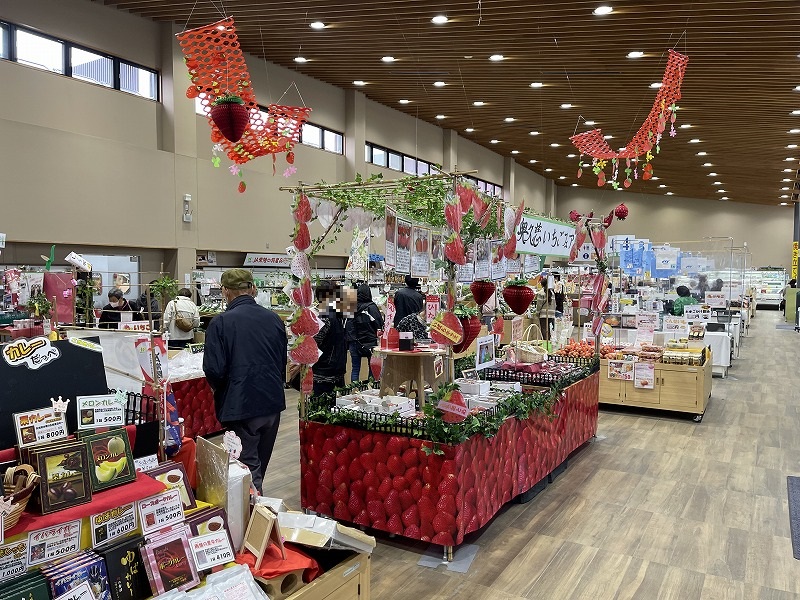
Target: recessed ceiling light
439	20
478	103
589	123
724	198
707	165
515	152
622	149
792	146
317	25
656	85
654	178
603	10
439	84
784	195
789	159
533	161
685	126
796	112
721	191
537	84
785	189
388	59
496	57
534	133
563	177
574	185
788	170
662	185
570	156
784	204
702	153
494	141
794	131
548	170
694	141
566	105
712	174
608	137
785	180
509	119
469	129
440	117
669	193
554	145
717	183
404	101
300	59
359	82
635	54
797	88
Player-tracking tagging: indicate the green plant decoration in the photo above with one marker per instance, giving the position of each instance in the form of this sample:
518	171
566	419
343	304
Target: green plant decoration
84	303
40	306
165	288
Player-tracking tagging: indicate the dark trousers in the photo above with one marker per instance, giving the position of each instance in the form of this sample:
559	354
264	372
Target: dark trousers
355	359
258	439
323	387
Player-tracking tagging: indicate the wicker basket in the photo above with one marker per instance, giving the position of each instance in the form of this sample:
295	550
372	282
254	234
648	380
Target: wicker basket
22	479
529	349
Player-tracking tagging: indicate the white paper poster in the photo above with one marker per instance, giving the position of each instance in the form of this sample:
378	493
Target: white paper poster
543	236
644	375
697	312
673	323
45	545
403	254
532	263
646	324
211	550
465	273
514	266
484	354
13	559
717	299
390	257
437	250
113	523
481	258
106	410
621	369
421	252
498	266
358	262
666	258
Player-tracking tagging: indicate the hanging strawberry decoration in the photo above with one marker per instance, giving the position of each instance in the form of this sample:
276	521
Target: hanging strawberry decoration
446	329
230	116
621	212
574	215
481	290
518	295
471	326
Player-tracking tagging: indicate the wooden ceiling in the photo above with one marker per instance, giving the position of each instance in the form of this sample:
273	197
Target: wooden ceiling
738	93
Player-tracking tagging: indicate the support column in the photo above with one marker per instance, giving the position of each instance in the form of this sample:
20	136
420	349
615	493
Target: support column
449	150
355	134
509	166
550	197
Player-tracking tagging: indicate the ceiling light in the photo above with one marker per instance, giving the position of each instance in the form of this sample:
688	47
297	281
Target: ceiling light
608	137
359	82
478	103
496	57
784	204
656	85
794	131
439	84
785	189
388	59
300	59
440	117
686	126
662	185
566	105
439	20
554	145
635	54
494	141
694	141
515	152
797	88
717	183
404	101
712	174
724	198
721	191
570	156
548	170
702	153
796	112
622	149
533	161
563	177
789	159
784	195
707	165
469	129
534	133
792	146
537	84
602	10
509	119
317	25
574	185
785	180
669	194
654	178
788	170
589	123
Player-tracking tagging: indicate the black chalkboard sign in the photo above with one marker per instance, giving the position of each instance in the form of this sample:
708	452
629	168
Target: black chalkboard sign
77	370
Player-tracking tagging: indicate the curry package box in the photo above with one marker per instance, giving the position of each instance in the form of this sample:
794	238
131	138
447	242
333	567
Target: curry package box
169	563
64	471
127	576
68	574
173	475
208	520
32	586
110	458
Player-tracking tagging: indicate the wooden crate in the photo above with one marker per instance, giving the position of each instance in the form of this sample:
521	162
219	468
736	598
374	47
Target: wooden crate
348	581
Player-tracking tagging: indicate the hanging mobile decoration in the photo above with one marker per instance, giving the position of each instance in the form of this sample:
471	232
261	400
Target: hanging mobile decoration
647	139
219	77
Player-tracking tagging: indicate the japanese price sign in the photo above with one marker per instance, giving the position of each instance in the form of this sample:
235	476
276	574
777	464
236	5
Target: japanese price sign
145	463
13	559
45	545
542	236
41	425
106	410
211	550
161	510
717	299
113	523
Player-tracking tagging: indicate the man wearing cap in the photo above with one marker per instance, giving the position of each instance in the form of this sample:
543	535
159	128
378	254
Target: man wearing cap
245	364
408	300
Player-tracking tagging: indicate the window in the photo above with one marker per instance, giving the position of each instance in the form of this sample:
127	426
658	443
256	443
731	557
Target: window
334	142
40	52
4	41
138	80
379	156
484	186
92	67
311	136
409	165
395	161
423	168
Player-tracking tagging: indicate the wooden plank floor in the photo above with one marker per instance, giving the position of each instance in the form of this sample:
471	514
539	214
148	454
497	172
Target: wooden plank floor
656	507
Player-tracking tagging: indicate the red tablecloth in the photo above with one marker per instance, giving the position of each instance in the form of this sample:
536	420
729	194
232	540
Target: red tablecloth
143	487
274	565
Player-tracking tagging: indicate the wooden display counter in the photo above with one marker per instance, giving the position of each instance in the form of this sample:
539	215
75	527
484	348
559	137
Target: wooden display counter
679	388
347	581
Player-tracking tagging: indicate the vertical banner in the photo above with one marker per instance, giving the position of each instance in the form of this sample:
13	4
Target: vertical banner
390	257
388	320
481	258
432	306
437	253
498	266
358	263
421	252
794	260
403	244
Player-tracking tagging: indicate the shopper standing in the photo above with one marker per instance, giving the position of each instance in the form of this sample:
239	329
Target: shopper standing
245	364
362	330
181	316
792	284
112	312
684	299
333	303
560	292
408	300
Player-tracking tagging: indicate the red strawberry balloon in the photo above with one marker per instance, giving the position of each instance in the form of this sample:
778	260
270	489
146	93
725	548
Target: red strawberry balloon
481	291
621	212
452	405
304	350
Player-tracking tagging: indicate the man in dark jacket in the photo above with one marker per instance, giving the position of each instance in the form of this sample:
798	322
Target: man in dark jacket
362	329
245	364
333	307
408	300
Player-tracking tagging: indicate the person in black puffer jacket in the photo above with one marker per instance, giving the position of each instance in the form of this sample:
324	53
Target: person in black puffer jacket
335	304
362	330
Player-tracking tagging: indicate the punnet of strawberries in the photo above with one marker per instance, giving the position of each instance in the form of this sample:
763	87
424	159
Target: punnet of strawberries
583	349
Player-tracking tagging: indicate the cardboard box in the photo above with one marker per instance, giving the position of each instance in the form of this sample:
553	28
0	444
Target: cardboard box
480	402
473	386
350	579
319	532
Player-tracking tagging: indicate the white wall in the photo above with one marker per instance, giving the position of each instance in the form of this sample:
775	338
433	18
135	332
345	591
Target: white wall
529	186
399	131
472	157
766	229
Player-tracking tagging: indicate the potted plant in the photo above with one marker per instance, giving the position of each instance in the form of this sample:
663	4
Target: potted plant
230	115
518	295
165	288
84	303
39	306
470	322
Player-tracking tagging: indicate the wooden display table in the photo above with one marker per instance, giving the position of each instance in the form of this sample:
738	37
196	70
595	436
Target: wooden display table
348	581
406	366
679	388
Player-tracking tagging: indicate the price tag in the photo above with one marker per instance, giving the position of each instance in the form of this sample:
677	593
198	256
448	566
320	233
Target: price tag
13	559
211	550
45	545
41	425
113	523
679	324
432	305
145	463
196	348
161	510
80	592
105	410
232	443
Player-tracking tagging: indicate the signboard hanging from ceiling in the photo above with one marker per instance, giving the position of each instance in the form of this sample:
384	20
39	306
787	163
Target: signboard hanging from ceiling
537	235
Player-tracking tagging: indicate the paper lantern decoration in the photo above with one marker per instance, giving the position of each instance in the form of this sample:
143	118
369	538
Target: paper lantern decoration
646	140
230	116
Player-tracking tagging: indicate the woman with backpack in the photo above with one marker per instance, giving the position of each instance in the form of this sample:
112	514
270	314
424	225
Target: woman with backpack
362	330
180	318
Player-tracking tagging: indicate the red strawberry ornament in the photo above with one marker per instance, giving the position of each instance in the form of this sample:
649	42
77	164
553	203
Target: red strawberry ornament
301	237
454	250
304	322
302	295
446	329
302	210
304	350
518	297
453	406
481	291
471	327
621	212
307	383
574	215
241	187
452	215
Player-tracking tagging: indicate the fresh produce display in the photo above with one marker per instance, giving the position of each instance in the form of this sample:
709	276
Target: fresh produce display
584	349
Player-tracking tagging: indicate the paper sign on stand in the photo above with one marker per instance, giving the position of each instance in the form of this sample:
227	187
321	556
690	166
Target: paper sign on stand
161	510
432	304
697	312
679	324
717	299
45	545
106	410
13	559
645	326
621	369
211	550
41	425
113	523
498	263
145	463
485	354
644	375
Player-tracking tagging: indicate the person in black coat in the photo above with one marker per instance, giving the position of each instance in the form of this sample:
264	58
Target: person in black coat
245	365
112	312
362	330
408	300
333	303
